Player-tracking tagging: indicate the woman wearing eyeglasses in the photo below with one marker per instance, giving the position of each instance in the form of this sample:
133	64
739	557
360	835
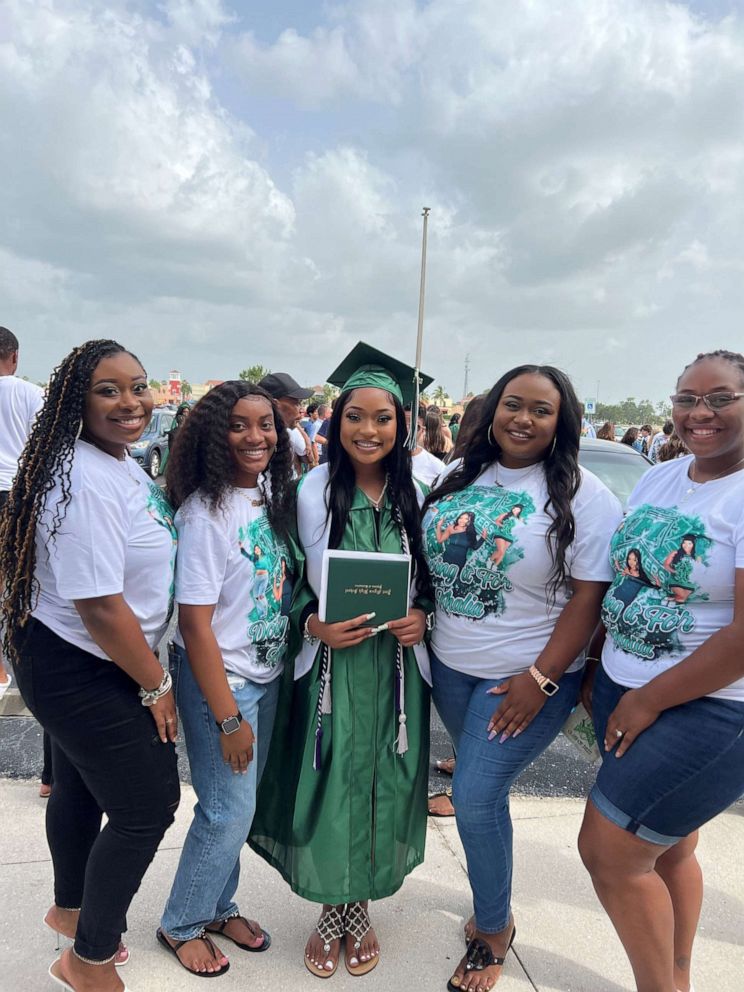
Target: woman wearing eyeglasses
668	697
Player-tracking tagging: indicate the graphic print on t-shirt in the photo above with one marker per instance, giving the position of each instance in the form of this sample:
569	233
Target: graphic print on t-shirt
654	553
271	590
162	513
472	540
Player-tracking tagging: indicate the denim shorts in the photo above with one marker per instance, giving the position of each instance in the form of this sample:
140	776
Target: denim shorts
683	770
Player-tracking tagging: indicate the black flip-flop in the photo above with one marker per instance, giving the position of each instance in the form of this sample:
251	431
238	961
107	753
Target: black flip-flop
220	929
174	948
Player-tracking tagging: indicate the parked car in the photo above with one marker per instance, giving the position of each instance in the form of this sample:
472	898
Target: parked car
151	451
617	465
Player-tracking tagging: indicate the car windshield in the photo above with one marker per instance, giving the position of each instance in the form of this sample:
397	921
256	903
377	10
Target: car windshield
152	428
619	471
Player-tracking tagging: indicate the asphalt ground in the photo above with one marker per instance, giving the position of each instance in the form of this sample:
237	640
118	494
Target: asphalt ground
559	772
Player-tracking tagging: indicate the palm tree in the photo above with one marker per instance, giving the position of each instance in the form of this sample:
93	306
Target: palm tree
441	396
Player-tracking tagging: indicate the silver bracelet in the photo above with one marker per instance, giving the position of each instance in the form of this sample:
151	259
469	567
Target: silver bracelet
306	635
148	697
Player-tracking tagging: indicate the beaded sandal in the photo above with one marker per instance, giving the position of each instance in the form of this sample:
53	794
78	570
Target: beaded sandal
329	927
357	924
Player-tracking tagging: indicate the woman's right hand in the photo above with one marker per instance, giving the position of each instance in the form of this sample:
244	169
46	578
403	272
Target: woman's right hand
345	634
164	714
237	748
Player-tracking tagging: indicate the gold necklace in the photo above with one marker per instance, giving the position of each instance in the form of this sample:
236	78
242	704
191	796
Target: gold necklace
251	500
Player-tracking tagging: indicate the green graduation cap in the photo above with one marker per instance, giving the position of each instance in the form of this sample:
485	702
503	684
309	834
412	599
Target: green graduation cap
365	366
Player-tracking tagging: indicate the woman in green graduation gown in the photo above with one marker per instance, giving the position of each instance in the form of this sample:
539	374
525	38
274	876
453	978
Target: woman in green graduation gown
342	808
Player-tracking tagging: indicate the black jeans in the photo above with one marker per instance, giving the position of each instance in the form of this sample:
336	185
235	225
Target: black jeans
108	759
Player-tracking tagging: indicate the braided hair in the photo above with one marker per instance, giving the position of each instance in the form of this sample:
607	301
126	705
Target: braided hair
561	464
45	462
341	485
201	459
733	357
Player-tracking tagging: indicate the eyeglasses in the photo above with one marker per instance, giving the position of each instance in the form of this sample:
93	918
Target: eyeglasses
714	401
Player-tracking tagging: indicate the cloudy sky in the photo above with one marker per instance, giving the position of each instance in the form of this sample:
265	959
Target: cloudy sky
218	183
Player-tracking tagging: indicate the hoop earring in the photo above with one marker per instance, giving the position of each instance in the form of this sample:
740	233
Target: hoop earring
552	447
490	437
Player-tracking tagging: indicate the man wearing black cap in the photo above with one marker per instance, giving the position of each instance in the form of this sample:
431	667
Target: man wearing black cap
289	395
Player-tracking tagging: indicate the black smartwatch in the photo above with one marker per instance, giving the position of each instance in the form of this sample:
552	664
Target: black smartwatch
231	724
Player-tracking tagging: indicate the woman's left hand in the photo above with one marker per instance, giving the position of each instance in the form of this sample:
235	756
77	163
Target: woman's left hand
524	700
631	717
409	630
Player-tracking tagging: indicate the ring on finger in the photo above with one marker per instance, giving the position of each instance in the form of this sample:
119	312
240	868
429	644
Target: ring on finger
619	733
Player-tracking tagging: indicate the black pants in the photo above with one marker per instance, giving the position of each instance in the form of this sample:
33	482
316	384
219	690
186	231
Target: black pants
108	759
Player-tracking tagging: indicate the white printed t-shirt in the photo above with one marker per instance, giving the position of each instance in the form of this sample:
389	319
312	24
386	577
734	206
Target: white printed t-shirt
673	559
19	403
232	558
491	575
117	536
427	467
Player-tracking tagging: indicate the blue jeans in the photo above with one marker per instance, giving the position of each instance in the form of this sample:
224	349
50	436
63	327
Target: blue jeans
209	868
683	770
484	773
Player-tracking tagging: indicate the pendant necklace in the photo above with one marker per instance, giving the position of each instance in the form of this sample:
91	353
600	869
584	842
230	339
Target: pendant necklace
377	503
698	485
251	500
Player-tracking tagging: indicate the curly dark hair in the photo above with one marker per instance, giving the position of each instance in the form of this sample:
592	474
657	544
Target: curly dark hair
201	457
561	464
46	460
341	484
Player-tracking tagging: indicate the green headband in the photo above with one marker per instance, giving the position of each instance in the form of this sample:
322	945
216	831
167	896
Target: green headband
374	377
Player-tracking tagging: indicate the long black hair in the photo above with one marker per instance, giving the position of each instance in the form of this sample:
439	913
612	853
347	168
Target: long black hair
641	570
561	463
680	554
201	459
339	492
46	461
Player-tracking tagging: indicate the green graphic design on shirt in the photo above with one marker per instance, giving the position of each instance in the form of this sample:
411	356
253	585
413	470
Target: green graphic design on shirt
268	617
653	553
471	543
162	513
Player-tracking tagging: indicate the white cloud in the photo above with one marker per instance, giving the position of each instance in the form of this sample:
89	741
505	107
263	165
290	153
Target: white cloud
584	164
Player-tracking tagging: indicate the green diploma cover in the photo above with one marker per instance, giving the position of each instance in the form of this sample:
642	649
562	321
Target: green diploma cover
356	582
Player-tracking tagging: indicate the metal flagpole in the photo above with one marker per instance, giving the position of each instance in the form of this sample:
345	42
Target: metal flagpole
422	291
411	442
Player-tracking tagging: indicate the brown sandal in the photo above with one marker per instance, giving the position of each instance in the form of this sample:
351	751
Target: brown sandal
218	926
440	803
329	927
176	947
357	924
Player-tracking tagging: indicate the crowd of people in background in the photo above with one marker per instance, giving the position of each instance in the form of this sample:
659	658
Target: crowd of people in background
530	588
658	443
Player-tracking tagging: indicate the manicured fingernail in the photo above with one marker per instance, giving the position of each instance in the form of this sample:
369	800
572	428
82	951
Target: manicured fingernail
517	733
503	738
376	630
371	616
492	735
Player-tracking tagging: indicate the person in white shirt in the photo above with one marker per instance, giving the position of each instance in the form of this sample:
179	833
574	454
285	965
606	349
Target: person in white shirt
19	404
87	555
426	467
668	696
516	537
231	478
